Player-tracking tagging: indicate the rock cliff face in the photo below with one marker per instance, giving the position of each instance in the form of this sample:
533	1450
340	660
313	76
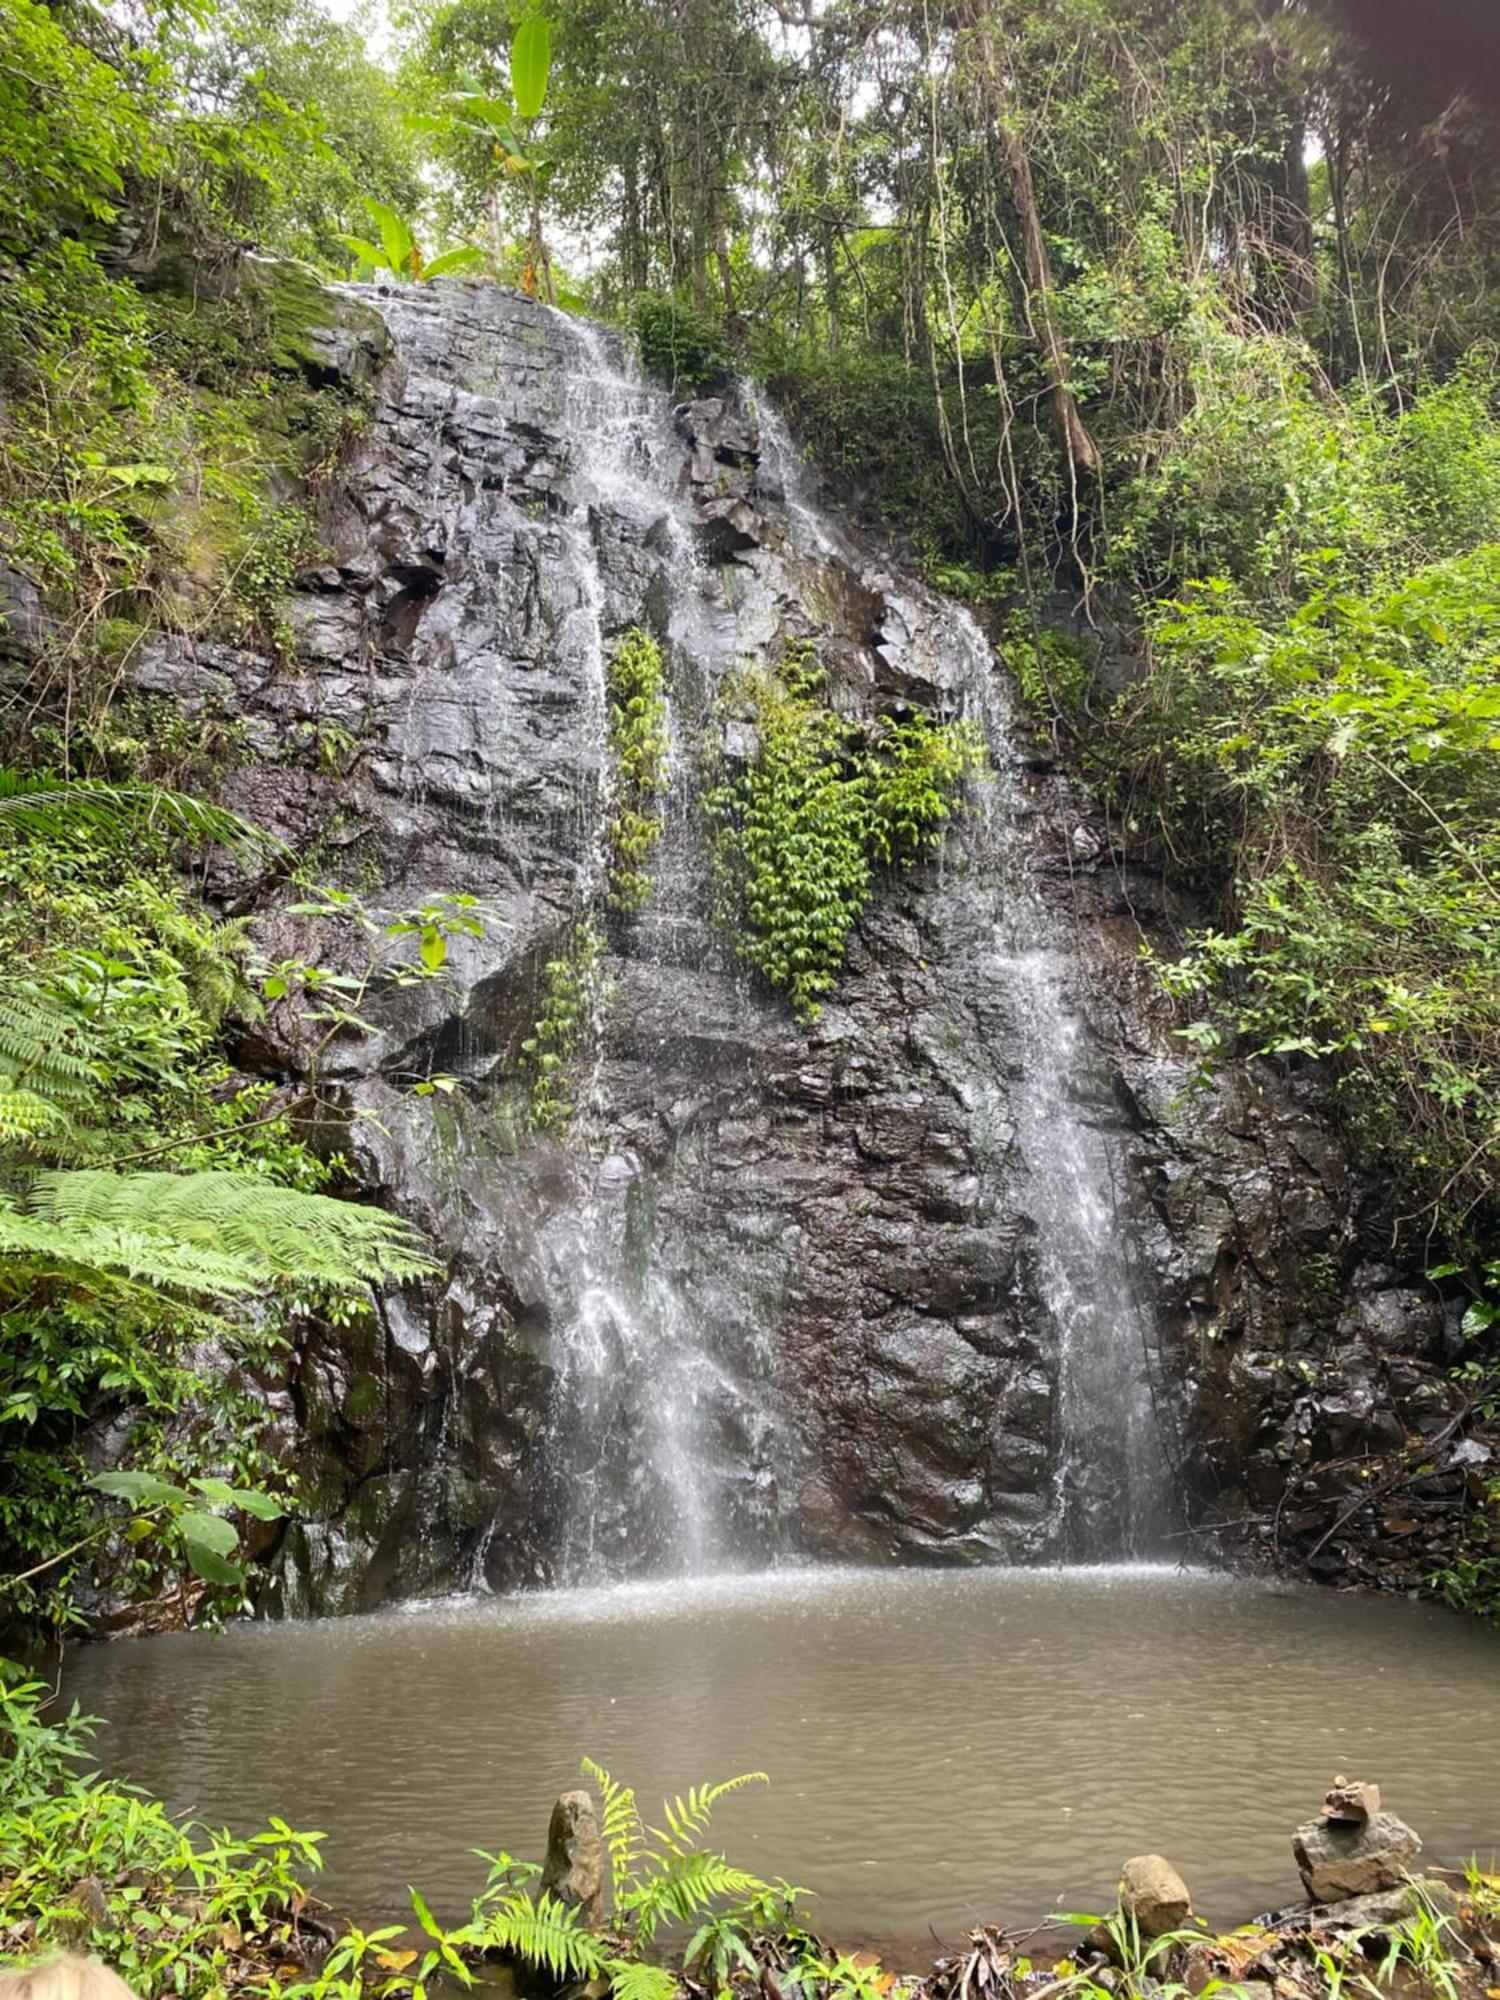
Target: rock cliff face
968	1271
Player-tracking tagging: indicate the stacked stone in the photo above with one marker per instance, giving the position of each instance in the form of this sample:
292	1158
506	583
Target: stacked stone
1353	1847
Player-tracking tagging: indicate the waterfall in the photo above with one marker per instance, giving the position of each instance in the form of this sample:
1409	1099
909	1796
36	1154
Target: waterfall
636	1437
1110	1487
727	1286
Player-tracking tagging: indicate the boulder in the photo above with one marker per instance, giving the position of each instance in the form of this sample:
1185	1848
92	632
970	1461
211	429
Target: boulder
574	1868
1339	1858
1154	1894
1385	1909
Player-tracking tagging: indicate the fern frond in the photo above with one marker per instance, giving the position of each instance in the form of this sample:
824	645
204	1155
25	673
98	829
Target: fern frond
544	1931
683	1885
49	808
26	1118
688	1817
99	1253
629	1979
43	1046
243	1228
621	1826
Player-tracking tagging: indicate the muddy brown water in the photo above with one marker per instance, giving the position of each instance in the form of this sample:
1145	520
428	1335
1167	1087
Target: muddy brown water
943	1748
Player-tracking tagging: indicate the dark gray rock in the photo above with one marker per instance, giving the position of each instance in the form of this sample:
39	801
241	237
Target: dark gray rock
1338	1858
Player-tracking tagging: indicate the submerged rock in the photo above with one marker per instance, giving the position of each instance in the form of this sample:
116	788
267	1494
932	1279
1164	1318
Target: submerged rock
1343	1858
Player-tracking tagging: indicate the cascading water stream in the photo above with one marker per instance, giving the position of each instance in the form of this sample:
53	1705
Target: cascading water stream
632	1437
1110	1480
668	1441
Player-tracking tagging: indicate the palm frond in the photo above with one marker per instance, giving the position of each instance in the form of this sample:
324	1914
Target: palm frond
244	1224
48	808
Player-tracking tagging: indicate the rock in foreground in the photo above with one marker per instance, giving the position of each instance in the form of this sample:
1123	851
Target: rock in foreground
1154	1895
1339	1858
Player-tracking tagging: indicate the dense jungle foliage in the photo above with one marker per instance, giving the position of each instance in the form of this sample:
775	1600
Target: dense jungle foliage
1162	333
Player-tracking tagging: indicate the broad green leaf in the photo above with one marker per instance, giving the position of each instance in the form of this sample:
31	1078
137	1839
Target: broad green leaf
463	258
207	1531
425	1917
141	1489
396	238
367	253
213	1568
246	1498
489	111
530	65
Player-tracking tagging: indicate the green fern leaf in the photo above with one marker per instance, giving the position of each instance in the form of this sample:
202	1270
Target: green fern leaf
102	1252
629	1979
49	808
680	1886
25	1118
545	1932
621	1826
43	1047
243	1229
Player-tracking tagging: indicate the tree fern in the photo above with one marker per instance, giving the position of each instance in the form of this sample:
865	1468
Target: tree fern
50	808
244	1228
37	1250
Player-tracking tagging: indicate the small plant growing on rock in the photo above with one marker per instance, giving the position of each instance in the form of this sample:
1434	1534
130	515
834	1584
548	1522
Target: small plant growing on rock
573	993
635	691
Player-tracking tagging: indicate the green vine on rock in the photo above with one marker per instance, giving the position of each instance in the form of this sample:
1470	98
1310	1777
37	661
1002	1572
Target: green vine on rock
799	824
574	988
635	692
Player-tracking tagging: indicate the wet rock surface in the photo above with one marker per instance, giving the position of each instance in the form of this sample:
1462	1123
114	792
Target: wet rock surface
840	1215
573	1871
1338	1858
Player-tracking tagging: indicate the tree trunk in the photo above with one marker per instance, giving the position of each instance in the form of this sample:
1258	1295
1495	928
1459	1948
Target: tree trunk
1072	432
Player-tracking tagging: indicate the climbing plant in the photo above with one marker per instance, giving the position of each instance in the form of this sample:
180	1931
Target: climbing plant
573	991
799	823
636	695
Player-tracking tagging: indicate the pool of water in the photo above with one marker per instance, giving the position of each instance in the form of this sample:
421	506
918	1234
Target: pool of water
944	1748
